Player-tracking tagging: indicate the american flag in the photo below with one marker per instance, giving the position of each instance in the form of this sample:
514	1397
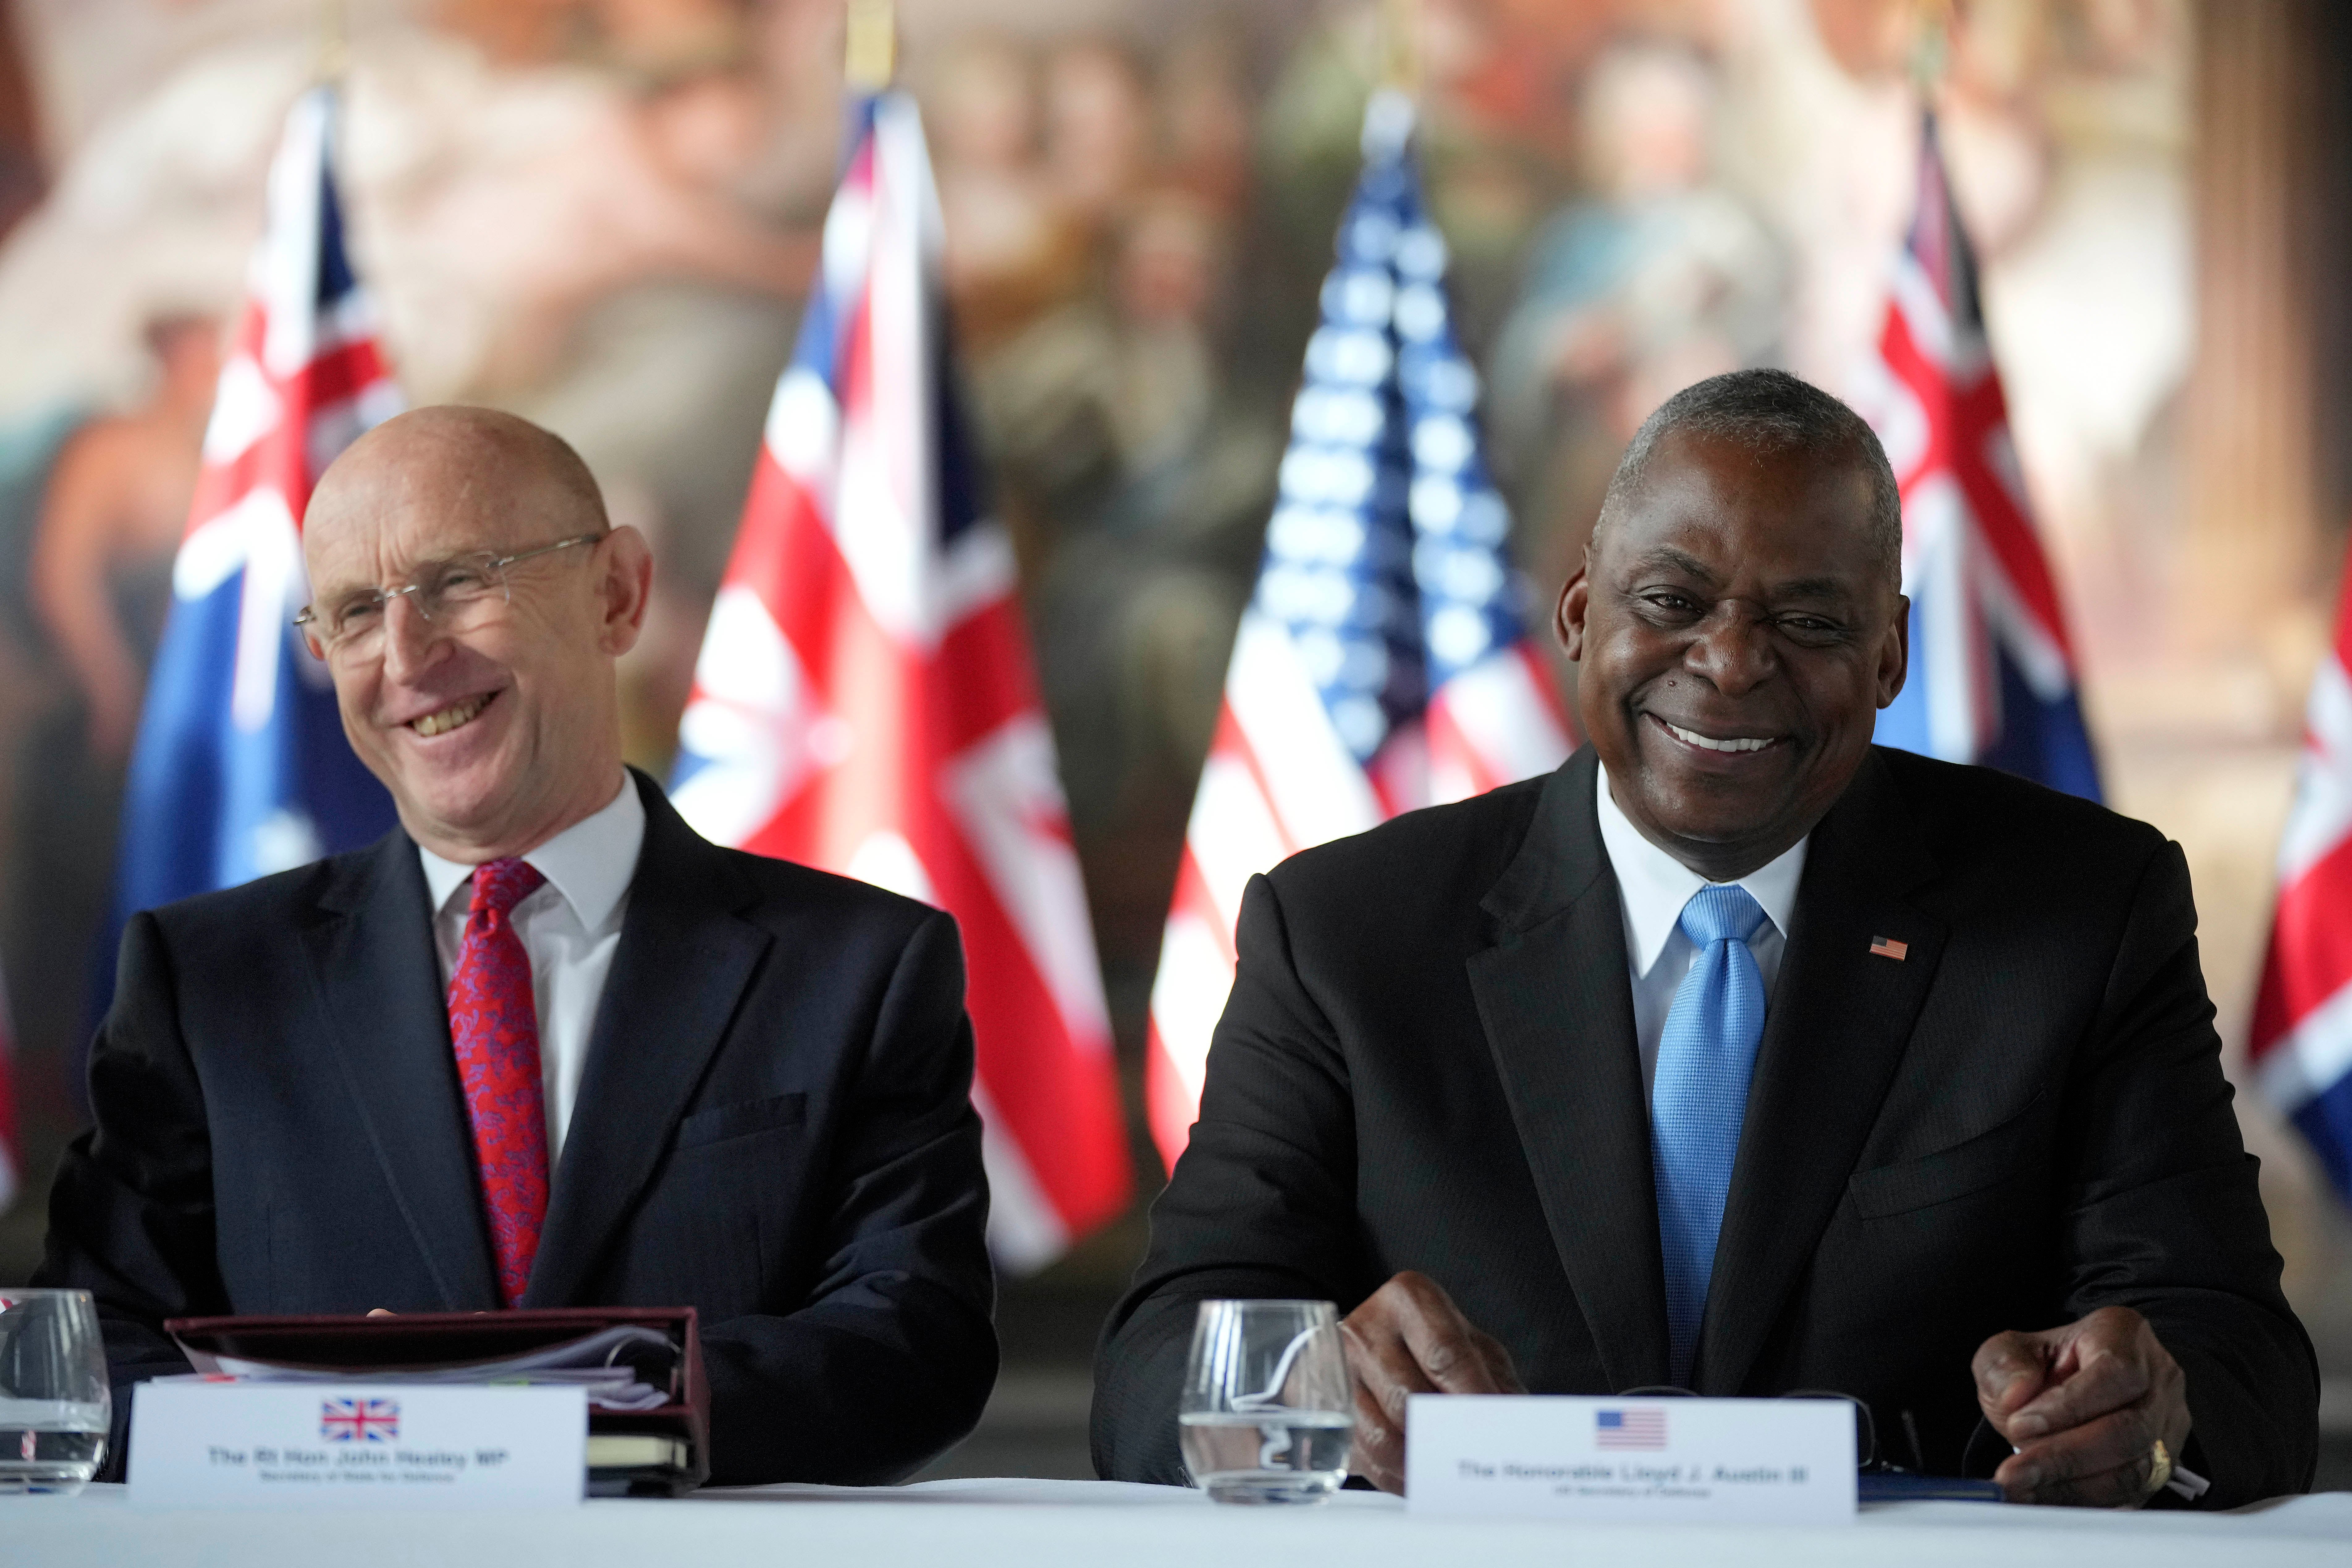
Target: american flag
865	701
2300	1044
358	1420
241	768
1381	664
1640	1429
1992	672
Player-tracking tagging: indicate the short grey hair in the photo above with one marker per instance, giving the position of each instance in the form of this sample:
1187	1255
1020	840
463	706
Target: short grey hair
1769	412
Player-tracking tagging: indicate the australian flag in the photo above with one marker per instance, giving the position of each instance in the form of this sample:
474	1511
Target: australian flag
1383	663
1992	672
241	768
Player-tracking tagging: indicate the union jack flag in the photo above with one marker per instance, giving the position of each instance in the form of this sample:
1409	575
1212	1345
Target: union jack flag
1382	663
241	768
360	1420
1643	1428
1992	671
2300	1044
865	701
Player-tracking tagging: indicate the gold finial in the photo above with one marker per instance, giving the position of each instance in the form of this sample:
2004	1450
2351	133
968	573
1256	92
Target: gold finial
1401	46
1931	45
334	39
872	44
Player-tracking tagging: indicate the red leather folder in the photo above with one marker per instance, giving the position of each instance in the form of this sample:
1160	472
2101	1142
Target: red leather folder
415	1341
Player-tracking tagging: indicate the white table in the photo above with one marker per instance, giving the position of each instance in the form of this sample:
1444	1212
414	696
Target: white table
1105	1524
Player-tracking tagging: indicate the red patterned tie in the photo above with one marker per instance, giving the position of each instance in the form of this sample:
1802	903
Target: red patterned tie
495	1027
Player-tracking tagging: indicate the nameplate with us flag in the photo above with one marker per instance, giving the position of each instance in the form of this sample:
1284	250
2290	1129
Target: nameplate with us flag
1722	1461
231	1443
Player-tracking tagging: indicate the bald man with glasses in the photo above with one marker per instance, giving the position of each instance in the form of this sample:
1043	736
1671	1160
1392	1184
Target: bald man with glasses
543	1046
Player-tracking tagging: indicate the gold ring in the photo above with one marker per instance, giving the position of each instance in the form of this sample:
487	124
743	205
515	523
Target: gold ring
2160	1467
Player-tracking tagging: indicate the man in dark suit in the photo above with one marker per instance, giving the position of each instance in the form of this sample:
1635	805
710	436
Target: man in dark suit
543	1046
1742	1057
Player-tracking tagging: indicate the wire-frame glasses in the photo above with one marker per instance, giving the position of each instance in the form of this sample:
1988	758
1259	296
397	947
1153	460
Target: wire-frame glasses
452	594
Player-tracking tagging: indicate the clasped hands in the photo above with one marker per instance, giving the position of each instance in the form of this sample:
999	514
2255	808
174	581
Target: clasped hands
2083	1404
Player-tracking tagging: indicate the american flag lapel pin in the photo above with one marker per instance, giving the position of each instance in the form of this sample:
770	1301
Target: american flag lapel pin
1887	947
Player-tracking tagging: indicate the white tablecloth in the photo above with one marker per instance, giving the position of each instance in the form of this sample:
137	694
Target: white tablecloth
1105	1524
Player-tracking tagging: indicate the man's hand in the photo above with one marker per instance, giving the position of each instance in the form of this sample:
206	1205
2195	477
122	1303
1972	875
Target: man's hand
2084	1405
1409	1338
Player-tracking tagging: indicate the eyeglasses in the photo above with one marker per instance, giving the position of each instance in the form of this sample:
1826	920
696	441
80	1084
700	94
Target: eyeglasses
456	595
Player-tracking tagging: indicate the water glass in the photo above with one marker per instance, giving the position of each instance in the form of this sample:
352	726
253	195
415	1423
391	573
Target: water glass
54	1400
1268	1407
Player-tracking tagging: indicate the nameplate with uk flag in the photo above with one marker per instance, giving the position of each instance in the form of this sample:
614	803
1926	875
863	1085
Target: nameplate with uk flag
226	1443
1720	1461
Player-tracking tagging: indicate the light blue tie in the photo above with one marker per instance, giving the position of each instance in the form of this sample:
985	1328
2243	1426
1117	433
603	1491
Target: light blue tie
1704	1056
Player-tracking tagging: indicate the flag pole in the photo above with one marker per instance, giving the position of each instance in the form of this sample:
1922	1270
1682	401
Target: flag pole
1390	115
1401	22
871	47
334	43
1931	50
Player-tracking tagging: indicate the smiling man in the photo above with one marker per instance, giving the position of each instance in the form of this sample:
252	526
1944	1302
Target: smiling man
542	1046
1742	1057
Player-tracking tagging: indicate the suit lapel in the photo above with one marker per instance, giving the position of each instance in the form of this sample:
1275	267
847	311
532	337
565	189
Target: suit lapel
378	985
1839	1018
1558	1009
681	967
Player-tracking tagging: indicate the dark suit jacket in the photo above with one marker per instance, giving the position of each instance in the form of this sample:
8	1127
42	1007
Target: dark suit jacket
774	1126
1428	1062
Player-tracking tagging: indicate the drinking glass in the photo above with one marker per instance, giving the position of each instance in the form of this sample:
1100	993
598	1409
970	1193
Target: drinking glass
54	1400
1268	1407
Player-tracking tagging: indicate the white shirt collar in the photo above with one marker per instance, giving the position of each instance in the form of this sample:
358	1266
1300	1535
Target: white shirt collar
1655	885
590	863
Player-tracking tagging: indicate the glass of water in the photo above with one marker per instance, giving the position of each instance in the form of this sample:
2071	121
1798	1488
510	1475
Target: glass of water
54	1400
1268	1405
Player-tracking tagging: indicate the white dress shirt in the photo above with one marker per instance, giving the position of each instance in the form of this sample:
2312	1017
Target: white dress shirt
571	926
1652	889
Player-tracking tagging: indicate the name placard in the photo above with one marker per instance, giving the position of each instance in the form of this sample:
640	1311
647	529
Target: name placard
197	1443
1715	1460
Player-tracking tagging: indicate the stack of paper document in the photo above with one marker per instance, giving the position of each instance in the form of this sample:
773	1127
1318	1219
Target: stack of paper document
624	1367
639	1367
